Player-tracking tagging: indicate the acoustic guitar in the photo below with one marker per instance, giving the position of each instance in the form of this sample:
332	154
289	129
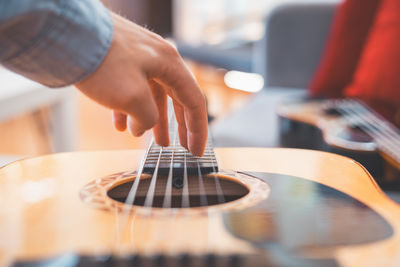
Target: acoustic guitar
165	207
365	131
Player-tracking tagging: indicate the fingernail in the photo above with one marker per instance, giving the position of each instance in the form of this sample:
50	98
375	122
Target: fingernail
163	143
195	151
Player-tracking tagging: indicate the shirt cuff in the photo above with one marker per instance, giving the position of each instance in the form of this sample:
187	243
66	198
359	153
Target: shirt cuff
72	44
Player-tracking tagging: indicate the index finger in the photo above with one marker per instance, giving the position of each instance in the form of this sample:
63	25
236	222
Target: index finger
185	90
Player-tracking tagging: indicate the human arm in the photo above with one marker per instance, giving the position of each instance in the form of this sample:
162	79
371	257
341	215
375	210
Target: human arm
142	68
130	69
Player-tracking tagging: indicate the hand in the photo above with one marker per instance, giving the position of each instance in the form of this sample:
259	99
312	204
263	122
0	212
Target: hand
137	74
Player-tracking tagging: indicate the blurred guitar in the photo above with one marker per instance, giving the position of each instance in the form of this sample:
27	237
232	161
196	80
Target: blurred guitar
349	127
164	207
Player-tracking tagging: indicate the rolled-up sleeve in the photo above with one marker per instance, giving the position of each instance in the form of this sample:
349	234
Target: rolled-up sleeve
54	42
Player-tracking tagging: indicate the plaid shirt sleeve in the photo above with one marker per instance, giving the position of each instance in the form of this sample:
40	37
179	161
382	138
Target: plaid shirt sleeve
54	42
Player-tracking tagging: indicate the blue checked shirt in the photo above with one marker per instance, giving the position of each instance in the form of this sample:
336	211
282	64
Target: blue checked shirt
54	42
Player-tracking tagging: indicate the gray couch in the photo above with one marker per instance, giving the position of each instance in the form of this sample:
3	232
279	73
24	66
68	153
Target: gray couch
286	57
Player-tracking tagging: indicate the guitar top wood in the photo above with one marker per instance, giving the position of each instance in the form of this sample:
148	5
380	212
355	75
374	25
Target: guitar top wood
43	214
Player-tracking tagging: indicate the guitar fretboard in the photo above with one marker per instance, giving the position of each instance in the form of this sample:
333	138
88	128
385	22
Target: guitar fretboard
179	159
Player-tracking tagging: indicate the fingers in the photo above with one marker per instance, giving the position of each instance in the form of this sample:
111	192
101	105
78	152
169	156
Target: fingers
119	120
196	123
140	107
160	130
186	92
180	118
121	83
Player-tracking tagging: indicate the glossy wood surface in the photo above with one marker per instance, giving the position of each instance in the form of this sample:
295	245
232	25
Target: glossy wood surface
373	134
324	124
41	214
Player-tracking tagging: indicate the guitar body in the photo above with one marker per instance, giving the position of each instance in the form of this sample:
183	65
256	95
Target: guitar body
317	124
301	208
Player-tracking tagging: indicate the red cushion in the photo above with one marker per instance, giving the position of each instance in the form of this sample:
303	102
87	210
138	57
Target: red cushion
350	28
378	73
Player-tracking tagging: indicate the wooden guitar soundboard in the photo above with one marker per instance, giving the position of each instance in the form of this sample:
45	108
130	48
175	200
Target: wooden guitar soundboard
288	207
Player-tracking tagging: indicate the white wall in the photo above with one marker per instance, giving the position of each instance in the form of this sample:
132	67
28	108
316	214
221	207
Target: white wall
216	21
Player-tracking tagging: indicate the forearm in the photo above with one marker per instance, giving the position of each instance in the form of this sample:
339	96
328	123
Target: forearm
54	42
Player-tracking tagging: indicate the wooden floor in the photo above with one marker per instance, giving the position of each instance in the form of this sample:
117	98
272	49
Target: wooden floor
28	134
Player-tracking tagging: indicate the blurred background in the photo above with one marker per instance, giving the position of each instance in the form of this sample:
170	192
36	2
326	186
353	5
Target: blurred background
246	55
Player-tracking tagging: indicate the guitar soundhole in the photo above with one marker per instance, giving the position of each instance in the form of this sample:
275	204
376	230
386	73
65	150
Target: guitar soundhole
356	133
207	191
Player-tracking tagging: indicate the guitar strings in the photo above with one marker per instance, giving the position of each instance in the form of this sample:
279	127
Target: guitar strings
380	138
130	199
168	189
148	203
383	143
371	115
218	188
356	119
149	198
151	191
353	108
204	203
167	200
162	233
185	190
121	224
150	194
202	193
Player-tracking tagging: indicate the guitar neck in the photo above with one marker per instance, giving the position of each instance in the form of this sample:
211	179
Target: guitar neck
178	159
385	135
